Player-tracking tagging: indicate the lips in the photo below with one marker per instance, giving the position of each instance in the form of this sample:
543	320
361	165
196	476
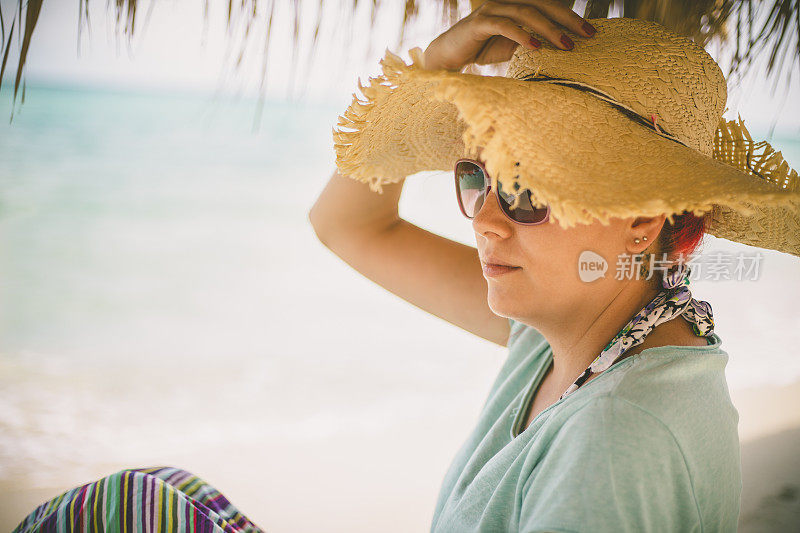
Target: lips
495	261
494	266
491	270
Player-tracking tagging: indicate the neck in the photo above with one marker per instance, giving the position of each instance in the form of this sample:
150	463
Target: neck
578	339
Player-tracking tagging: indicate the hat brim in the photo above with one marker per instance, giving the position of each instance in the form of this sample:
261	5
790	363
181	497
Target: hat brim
573	151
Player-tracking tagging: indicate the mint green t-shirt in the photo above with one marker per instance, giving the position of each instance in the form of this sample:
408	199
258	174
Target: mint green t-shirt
651	444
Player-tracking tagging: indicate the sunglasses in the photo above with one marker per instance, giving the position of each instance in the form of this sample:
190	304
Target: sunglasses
473	184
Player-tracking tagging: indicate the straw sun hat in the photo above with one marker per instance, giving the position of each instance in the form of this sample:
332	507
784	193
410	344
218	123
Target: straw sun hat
628	123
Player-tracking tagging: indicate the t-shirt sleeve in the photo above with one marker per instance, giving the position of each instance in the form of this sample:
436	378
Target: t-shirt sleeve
612	467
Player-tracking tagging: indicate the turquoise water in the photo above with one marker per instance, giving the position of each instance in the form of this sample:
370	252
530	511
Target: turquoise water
152	244
117	207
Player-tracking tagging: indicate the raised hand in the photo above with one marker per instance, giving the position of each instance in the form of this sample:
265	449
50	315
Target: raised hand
492	32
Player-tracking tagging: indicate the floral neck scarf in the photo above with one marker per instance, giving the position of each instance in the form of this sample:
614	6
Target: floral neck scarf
675	299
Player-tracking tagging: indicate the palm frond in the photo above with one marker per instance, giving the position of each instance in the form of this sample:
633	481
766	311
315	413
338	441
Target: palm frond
731	23
32	10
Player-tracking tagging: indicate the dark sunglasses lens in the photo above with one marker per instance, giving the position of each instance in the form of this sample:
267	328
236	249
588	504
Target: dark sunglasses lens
471	187
524	212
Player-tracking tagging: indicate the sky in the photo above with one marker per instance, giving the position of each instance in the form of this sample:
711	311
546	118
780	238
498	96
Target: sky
174	50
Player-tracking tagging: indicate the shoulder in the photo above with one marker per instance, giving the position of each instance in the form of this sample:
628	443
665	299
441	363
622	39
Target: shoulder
615	466
657	439
611	424
686	388
610	430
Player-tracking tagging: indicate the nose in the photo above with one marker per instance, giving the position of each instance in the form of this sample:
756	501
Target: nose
490	218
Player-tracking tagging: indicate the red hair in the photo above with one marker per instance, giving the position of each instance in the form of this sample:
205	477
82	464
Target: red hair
683	236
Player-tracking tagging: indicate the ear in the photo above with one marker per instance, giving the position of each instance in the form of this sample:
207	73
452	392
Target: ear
642	227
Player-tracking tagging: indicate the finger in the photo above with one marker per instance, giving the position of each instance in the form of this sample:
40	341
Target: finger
565	16
495	25
530	17
537	14
496	50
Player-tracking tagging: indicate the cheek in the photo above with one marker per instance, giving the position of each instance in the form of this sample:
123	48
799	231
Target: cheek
595	260
554	273
560	269
553	259
553	255
562	276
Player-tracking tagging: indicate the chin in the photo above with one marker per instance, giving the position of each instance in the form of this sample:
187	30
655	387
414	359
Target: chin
502	303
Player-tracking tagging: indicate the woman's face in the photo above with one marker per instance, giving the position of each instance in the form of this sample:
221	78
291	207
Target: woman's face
547	287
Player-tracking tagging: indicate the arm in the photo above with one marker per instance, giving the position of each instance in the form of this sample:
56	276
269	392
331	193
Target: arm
438	275
435	274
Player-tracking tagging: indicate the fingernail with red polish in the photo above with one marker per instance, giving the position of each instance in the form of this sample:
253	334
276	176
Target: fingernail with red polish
535	43
567	42
588	28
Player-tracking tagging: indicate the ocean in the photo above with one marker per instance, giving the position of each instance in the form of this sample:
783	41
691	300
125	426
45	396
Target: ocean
162	294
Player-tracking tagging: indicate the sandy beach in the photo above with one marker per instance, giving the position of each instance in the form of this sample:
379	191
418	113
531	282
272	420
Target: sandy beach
769	427
353	488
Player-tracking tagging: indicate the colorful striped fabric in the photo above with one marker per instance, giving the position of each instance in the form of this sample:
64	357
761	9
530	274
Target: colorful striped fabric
141	499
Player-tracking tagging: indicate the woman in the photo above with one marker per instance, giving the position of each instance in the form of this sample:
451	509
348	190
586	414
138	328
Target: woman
608	414
644	439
